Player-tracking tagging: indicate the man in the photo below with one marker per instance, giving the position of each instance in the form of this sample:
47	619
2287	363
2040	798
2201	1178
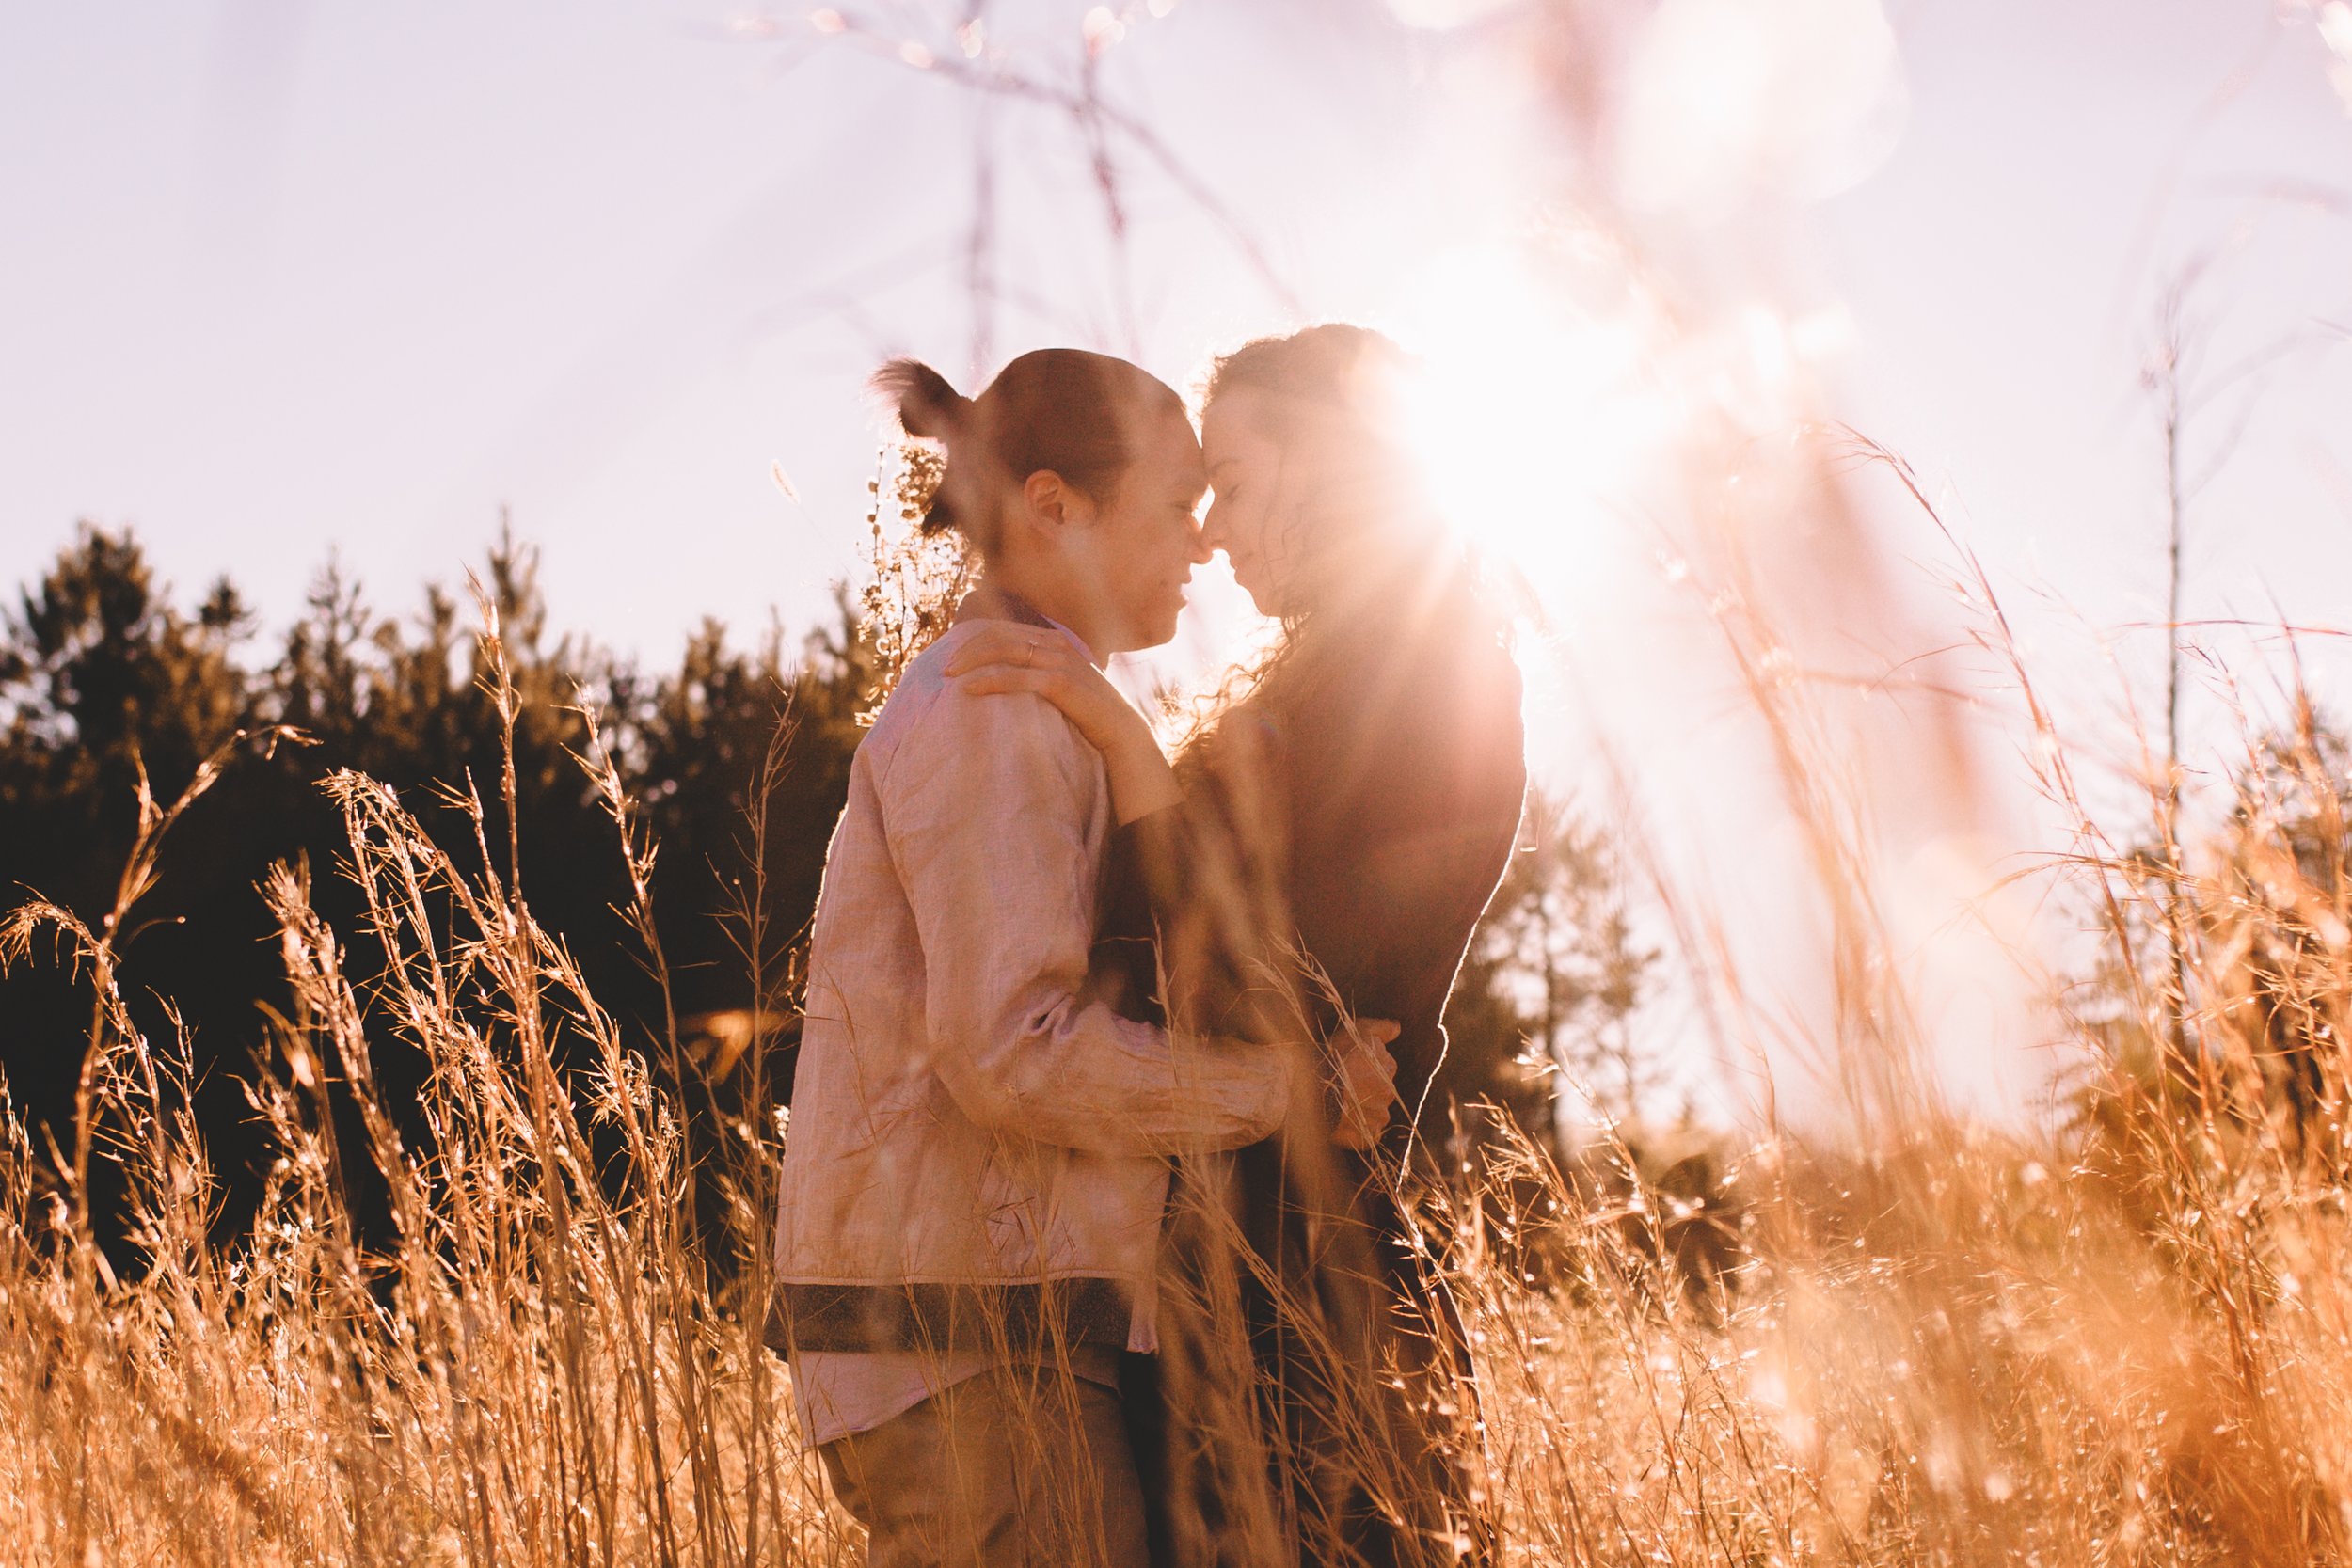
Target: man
974	1177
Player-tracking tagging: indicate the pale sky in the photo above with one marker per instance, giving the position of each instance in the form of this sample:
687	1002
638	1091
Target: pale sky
282	279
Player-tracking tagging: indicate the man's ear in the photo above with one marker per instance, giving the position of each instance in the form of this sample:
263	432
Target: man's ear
1047	497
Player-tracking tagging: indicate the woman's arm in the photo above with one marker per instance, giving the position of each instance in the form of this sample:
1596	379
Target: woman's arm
1006	655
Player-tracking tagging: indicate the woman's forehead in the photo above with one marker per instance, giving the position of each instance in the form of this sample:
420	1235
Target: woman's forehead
1237	418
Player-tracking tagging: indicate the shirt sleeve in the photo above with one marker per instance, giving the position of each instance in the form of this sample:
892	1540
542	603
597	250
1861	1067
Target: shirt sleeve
988	806
1145	868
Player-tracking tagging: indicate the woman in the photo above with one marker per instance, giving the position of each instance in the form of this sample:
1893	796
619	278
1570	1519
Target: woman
1345	819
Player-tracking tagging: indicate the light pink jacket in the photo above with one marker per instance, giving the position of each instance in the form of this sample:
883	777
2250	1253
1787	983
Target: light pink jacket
976	1147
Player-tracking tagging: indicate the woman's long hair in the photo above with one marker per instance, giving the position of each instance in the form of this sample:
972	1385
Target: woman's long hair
1361	571
1339	1454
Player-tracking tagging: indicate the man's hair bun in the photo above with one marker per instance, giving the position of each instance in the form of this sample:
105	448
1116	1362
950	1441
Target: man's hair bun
927	407
1079	415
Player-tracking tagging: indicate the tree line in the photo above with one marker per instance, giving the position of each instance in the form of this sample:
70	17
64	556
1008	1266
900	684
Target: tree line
110	684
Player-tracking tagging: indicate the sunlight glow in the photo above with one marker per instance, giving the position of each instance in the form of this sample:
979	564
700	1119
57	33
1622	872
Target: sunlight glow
1533	416
1443	15
1729	97
2335	31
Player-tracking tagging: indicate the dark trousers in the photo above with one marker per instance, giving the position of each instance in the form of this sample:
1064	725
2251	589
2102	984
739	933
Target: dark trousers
1313	1400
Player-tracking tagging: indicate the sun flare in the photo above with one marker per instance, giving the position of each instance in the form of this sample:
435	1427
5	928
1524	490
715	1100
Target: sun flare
1533	416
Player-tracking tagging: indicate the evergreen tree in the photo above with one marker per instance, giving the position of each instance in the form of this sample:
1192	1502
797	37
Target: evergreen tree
1552	980
102	676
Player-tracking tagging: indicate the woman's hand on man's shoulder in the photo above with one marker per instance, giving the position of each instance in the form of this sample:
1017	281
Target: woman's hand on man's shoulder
1002	656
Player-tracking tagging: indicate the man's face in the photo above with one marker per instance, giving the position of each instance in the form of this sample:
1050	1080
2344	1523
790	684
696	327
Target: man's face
1146	541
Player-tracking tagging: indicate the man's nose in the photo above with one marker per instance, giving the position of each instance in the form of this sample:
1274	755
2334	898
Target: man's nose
1212	536
1196	537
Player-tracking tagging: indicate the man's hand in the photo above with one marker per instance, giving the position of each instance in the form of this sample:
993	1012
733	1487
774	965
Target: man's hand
1366	1080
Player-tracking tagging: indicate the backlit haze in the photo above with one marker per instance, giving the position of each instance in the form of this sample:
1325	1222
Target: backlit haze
282	281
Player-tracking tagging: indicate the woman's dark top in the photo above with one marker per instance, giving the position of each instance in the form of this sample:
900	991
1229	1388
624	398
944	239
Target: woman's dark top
1390	767
1373	785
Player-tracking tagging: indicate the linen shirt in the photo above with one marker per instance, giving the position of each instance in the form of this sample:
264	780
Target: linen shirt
975	1159
840	1393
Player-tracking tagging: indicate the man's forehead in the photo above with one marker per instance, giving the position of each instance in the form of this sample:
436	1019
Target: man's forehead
1178	456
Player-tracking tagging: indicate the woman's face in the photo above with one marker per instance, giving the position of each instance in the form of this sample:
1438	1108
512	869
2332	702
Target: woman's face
1260	482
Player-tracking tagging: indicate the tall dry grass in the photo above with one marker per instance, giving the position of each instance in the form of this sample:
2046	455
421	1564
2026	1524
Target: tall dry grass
2118	1342
552	1362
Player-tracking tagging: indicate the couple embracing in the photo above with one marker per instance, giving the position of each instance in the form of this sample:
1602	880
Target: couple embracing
1096	1238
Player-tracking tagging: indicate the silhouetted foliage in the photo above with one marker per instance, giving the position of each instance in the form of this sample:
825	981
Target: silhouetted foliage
1550	981
103	679
102	675
2254	1055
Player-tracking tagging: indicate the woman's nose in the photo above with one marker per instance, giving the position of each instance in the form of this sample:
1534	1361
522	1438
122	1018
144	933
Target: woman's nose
1212	530
1198	540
